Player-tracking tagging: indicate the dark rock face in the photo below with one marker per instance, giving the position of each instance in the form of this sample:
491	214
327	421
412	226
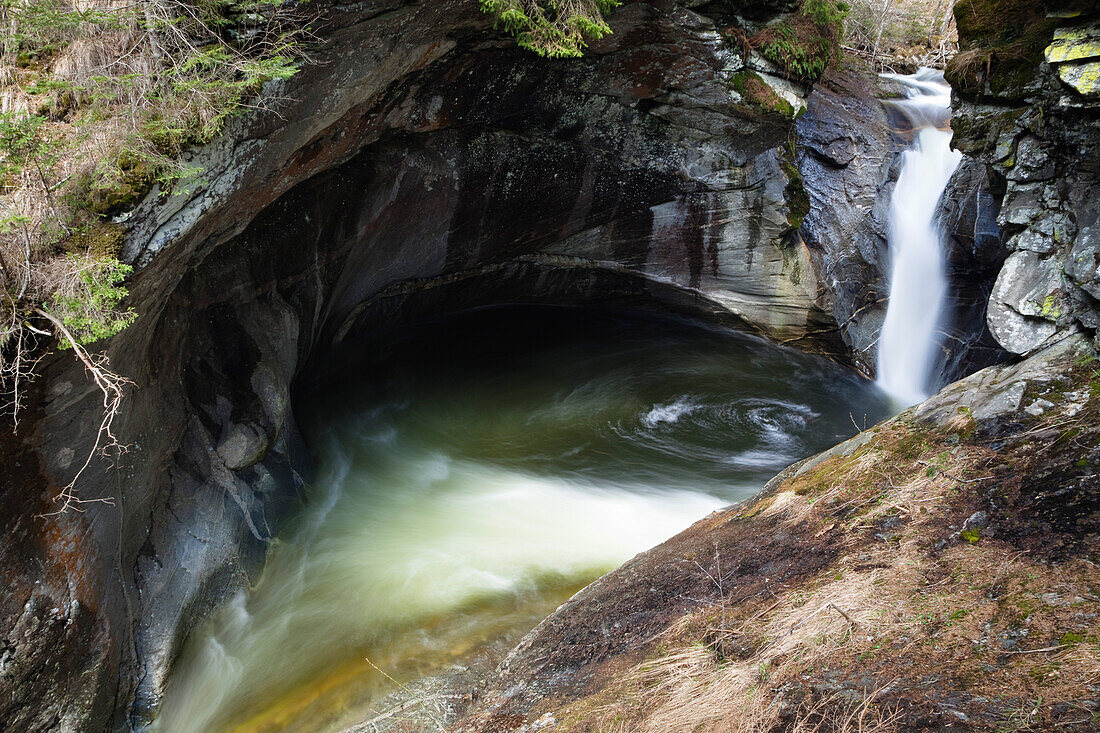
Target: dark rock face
1040	142
846	156
975	253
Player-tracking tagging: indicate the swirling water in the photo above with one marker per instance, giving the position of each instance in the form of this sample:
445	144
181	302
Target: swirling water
472	473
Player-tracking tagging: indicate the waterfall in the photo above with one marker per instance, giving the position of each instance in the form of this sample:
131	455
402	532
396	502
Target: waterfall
918	283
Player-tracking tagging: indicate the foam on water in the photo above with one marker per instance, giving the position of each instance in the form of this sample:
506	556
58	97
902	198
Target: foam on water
668	413
909	342
460	534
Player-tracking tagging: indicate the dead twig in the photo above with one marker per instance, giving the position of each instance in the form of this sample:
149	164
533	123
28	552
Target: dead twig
416	698
113	387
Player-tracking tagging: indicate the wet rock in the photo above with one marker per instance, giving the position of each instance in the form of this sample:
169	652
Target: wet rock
976	251
1046	152
1083	263
845	155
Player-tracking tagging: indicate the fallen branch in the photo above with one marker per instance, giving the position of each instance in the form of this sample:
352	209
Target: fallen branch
1037	651
795	627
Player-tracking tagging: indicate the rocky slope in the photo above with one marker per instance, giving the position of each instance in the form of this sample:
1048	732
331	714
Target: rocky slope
937	571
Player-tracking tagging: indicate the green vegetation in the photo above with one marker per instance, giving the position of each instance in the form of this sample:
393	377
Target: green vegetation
798	199
554	28
102	100
806	42
90	310
759	94
105	98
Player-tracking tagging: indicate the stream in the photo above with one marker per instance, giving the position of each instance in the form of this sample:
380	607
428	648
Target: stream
474	471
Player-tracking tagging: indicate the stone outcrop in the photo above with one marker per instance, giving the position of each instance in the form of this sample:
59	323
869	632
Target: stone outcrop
849	149
847	156
1035	129
663	644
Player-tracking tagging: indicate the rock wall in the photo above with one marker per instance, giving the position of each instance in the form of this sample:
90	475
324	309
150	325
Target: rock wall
1036	130
848	155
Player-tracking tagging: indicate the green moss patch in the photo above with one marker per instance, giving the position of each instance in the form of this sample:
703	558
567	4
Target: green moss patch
798	199
804	44
760	95
102	240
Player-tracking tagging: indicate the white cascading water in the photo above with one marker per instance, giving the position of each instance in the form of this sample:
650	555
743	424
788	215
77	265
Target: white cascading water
908	345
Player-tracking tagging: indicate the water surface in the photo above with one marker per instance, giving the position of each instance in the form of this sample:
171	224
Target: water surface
472	473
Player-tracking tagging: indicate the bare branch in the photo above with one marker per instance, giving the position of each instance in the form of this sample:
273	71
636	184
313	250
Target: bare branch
113	388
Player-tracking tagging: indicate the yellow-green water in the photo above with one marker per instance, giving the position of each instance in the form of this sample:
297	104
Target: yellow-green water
473	472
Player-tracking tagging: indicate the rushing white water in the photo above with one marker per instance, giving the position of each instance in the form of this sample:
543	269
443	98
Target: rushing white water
908	344
452	508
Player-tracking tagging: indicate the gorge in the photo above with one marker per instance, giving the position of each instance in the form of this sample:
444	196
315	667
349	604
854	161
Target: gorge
433	212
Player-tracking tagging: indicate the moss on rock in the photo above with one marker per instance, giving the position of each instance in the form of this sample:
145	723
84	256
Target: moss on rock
757	92
1001	44
804	44
798	199
101	239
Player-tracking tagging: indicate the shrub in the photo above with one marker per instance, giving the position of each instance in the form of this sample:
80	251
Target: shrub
554	28
804	44
103	100
88	304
